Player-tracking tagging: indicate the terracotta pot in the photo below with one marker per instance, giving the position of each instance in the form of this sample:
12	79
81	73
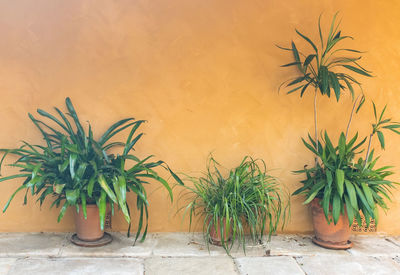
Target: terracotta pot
215	235
88	229
330	235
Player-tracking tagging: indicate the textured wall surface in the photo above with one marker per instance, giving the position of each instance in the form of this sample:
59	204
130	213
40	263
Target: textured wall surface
203	73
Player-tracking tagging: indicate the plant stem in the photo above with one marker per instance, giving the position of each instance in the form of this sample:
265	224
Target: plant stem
316	124
351	115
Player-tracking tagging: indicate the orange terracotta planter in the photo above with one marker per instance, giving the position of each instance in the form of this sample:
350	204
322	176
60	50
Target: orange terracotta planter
88	229
215	235
330	235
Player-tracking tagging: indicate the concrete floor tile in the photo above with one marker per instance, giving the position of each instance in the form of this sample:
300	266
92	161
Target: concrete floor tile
373	246
6	264
296	245
190	266
121	246
343	265
184	245
31	244
393	239
279	265
78	266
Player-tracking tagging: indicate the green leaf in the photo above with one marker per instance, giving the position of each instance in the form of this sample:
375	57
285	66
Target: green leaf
62	211
360	104
62	167
58	188
12	196
291	64
72	196
296	56
72	161
326	202
351	194
381	139
295	89
340	181
329	178
336	206
308	40
120	190
314	192
349	209
357	70
342	146
83	203
91	185
309	146
106	188
102	204
368	195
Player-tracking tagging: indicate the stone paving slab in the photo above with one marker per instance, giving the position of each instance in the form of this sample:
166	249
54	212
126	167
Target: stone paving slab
394	240
365	245
297	245
35	244
121	246
351	265
280	265
77	266
188	266
193	244
184	245
6	264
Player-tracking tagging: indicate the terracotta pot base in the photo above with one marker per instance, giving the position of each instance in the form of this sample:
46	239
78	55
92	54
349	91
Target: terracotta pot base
106	239
218	242
332	245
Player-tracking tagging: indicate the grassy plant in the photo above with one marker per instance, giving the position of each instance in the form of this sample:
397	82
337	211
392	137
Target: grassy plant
345	184
74	168
247	198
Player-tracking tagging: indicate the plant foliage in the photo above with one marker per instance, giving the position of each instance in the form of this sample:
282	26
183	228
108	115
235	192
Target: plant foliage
325	68
74	168
344	184
247	198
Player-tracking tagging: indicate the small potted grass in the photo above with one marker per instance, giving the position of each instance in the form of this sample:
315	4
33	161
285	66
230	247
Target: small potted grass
247	198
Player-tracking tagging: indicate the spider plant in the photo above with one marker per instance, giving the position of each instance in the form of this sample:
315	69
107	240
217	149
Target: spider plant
326	68
74	168
247	198
341	183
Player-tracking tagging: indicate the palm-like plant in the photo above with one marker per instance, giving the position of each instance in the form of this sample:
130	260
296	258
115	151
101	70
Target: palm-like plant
326	68
247	197
76	169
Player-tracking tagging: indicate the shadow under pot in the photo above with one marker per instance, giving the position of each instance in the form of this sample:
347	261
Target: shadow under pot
330	235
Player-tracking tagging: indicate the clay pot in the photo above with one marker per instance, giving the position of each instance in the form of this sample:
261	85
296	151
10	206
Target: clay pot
330	235
215	235
88	229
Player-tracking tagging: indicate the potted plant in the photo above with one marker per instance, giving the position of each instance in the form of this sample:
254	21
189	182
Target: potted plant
78	170
338	187
341	187
247	197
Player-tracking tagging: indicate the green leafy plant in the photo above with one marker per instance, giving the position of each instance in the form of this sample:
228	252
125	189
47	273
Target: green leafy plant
247	198
74	168
342	183
325	68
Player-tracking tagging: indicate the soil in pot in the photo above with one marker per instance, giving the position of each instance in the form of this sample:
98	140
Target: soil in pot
330	235
88	229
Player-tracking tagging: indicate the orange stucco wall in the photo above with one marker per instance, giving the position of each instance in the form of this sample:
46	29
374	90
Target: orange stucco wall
203	73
